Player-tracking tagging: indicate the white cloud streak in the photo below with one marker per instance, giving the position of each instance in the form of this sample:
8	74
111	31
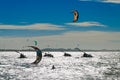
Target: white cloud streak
86	24
105	1
43	26
86	40
112	1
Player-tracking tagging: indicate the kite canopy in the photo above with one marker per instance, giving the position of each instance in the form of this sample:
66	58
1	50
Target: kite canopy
38	55
35	43
76	15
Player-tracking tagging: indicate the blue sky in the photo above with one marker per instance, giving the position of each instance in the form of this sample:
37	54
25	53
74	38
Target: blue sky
37	19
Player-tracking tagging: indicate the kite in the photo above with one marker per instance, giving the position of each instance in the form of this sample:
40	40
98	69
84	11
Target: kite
35	42
76	15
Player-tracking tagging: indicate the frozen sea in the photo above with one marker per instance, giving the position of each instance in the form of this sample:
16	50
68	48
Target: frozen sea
103	66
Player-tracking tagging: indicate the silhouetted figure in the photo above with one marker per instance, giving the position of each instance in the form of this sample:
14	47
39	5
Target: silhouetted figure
22	56
48	55
66	54
87	55
38	54
53	67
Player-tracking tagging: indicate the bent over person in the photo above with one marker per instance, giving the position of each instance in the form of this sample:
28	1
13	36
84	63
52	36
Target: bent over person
38	55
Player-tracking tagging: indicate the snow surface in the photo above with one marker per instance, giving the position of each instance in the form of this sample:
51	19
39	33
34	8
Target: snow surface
103	66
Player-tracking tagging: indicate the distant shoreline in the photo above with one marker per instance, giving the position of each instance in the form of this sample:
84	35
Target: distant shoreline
62	50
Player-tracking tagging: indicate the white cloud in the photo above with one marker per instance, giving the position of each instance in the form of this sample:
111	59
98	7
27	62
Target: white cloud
86	24
86	40
43	26
106	1
112	1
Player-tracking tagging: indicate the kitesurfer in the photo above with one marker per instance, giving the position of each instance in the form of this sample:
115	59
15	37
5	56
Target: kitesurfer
87	55
53	67
66	54
48	55
21	55
38	55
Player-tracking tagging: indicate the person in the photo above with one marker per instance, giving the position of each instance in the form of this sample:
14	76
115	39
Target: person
38	55
87	55
22	56
53	67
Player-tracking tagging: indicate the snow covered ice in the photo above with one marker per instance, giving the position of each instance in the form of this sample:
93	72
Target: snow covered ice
103	66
